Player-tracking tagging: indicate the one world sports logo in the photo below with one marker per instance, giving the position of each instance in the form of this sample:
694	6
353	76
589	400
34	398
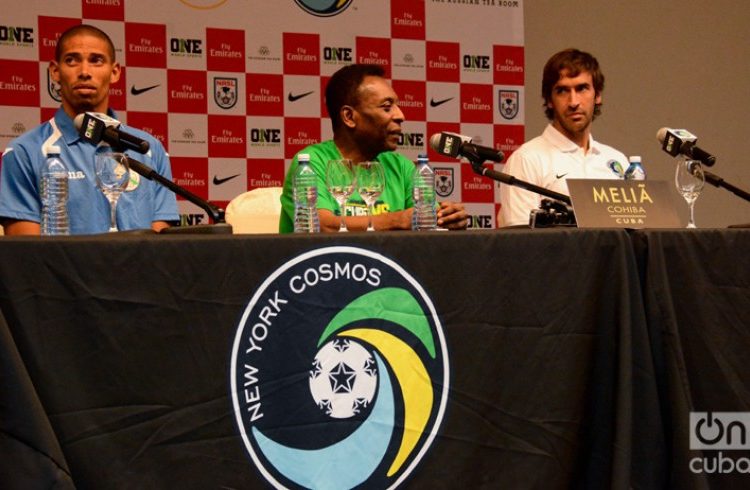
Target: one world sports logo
323	8
339	372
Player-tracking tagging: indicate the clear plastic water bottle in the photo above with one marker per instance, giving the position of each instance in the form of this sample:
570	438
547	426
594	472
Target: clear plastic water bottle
54	194
305	197
423	192
635	170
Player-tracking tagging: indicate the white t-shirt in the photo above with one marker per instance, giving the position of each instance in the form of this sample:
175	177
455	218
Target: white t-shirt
547	161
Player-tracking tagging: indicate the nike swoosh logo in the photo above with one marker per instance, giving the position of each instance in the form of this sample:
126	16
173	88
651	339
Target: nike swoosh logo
560	176
139	91
435	103
218	181
293	98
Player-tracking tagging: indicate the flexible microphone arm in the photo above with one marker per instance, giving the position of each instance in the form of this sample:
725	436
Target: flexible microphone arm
216	213
717	181
476	165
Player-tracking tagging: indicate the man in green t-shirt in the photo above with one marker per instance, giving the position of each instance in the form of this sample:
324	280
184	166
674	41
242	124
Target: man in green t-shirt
366	123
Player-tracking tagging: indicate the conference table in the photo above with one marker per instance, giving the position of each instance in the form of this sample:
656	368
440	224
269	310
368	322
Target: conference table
558	357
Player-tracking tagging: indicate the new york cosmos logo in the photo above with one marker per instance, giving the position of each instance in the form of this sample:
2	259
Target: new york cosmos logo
339	372
323	8
204	4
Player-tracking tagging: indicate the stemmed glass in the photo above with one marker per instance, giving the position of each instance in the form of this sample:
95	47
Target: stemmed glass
340	181
689	180
370	184
112	177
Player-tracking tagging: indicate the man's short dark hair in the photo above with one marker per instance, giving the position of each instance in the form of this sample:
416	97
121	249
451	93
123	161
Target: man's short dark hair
574	62
84	29
343	86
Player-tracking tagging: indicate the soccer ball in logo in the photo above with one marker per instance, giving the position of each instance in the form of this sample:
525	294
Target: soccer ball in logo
343	379
509	103
225	92
443	181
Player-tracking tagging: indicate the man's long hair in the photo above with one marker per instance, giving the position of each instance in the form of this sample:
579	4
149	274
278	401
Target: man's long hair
574	62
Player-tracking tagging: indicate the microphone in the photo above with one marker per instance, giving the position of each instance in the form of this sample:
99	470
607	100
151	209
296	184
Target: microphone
457	145
95	127
683	142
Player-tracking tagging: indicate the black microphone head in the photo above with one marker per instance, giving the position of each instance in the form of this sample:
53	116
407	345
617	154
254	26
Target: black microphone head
446	143
676	141
670	140
89	127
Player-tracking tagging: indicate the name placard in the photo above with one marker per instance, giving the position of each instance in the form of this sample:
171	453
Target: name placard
622	203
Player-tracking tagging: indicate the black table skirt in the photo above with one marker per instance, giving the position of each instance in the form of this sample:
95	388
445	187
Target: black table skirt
573	358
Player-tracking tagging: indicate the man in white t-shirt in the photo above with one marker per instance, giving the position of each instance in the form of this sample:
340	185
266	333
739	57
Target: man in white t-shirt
572	86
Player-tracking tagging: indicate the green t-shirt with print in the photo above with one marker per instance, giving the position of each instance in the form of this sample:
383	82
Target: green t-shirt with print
397	195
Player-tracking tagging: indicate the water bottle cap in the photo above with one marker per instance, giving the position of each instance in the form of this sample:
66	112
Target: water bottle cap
303	157
634	159
53	150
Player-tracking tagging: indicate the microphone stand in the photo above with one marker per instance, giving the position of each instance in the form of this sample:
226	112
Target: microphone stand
559	205
476	164
717	181
215	213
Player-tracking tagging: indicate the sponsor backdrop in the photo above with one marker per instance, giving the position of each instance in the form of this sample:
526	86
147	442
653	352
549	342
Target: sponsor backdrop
234	88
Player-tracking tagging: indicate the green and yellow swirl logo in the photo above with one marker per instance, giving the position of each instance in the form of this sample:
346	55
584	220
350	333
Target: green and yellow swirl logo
339	372
323	8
